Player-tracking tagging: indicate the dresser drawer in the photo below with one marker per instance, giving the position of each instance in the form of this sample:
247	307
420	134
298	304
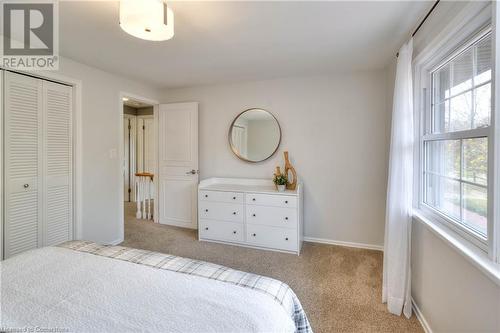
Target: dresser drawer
219	196
218	230
272	237
221	211
271	200
272	216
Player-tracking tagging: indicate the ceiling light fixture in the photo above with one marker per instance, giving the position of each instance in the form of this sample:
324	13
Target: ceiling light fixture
147	19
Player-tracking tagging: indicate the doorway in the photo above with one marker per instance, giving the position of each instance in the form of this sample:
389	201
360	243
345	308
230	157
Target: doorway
159	154
138	158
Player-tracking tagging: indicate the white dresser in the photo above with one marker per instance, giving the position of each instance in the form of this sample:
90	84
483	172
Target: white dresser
250	212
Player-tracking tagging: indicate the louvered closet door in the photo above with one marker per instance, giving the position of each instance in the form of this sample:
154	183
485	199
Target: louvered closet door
23	152
57	161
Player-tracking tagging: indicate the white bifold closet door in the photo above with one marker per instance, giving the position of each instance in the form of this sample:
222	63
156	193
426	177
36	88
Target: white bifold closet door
129	156
145	144
38	163
57	164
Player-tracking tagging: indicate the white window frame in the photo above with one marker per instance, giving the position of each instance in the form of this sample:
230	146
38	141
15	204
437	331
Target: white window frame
425	136
452	41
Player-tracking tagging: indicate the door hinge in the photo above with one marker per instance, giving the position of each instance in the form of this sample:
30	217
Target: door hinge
129	190
143	127
129	127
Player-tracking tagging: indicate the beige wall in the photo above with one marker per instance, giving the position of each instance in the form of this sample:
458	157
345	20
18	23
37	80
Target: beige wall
147	111
335	129
452	294
129	110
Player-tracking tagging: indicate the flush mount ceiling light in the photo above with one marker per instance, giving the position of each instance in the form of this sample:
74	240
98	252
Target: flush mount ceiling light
147	19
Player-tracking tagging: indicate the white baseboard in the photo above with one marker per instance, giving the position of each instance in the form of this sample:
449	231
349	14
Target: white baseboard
341	243
421	317
116	241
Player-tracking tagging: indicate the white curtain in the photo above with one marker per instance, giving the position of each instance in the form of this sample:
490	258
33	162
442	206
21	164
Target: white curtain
396	288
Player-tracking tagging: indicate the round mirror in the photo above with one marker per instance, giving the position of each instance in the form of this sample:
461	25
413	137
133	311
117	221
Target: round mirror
254	135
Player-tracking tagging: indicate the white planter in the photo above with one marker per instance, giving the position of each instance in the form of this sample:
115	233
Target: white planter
281	188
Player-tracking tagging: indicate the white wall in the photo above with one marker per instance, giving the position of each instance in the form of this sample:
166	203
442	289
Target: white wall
452	294
335	129
102	218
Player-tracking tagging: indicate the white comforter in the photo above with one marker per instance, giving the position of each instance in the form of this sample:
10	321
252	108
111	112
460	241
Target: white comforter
64	290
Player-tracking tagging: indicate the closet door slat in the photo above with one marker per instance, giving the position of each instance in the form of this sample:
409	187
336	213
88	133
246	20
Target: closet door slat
57	163
23	134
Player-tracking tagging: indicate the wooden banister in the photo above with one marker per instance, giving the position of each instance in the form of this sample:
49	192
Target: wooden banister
143	188
145	174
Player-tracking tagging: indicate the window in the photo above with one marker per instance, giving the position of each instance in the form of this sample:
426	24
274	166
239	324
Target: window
455	140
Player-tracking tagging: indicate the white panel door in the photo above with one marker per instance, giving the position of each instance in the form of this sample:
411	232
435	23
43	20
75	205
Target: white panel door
140	144
149	144
178	164
57	193
1	165
240	139
23	163
145	144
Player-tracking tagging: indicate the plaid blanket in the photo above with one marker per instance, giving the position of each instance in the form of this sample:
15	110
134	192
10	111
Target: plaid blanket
278	290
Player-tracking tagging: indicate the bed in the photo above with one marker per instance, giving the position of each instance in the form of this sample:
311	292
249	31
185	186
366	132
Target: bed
81	286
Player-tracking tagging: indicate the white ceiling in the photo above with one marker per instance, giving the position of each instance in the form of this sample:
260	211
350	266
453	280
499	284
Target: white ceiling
221	42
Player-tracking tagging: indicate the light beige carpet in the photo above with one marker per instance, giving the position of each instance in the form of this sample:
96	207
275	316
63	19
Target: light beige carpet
339	287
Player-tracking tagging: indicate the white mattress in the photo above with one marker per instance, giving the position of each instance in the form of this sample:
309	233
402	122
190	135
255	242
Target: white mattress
65	290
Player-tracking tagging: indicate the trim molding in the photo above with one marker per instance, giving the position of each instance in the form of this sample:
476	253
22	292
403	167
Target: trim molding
346	244
420	317
116	241
469	251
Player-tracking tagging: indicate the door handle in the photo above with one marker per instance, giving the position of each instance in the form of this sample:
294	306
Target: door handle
192	172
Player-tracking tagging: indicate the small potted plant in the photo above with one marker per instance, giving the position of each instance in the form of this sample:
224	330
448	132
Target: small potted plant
280	181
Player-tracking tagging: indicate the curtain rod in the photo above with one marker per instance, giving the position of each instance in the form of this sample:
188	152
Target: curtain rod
422	22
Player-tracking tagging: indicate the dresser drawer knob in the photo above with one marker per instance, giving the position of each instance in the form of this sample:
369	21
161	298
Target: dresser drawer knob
253	199
234	232
254	235
206	195
286	238
286	218
286	201
206	210
234	198
206	228
234	213
253	215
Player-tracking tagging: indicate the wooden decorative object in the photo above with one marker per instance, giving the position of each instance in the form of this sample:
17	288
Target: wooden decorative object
277	173
292	185
145	174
